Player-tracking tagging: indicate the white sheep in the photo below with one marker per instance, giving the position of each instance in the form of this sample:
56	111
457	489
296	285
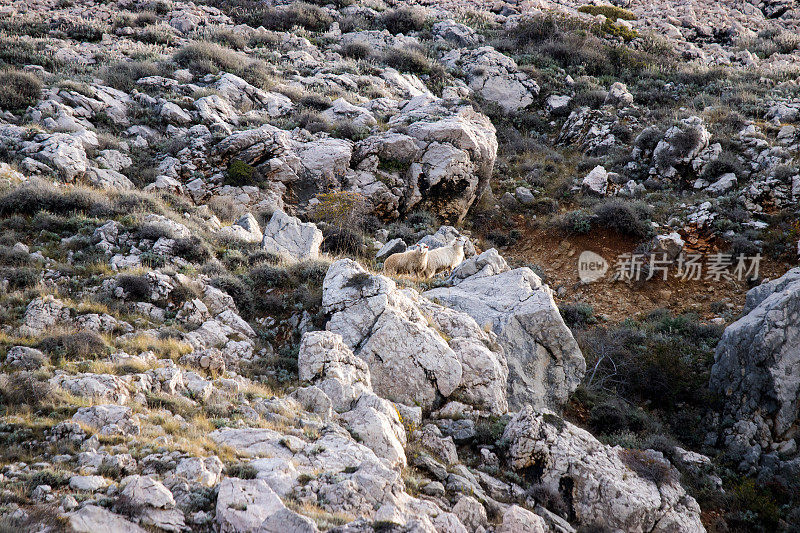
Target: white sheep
446	257
412	261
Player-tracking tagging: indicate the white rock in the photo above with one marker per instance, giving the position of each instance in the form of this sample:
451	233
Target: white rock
93	519
519	520
244	504
145	491
596	181
87	483
286	235
604	488
545	363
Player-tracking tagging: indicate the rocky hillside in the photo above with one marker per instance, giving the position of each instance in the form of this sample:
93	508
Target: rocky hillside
197	199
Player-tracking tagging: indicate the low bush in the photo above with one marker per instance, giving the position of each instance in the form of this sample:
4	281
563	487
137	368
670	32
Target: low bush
74	346
192	249
137	287
357	50
577	222
343	240
20	278
239	173
205	57
284	18
241	470
124	75
315	101
240	289
404	20
26	388
19	90
269	277
577	315
623	217
612	13
658	471
157	34
408	60
41	196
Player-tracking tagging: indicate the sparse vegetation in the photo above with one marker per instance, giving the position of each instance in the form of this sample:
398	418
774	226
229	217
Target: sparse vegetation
18	90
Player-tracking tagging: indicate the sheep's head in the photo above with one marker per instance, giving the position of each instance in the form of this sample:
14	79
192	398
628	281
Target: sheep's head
422	249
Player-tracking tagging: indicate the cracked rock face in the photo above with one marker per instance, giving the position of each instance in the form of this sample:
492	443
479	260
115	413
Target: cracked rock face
757	370
601	484
418	352
545	363
285	235
495	76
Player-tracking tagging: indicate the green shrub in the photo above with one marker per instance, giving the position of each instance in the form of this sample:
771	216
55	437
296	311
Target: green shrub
157	34
239	289
242	471
239	173
577	315
314	122
192	248
284	18
577	222
310	271
269	277
612	13
85	33
19	90
204	57
14	257
228	37
47	476
618	30
343	240
315	101
489	430
20	278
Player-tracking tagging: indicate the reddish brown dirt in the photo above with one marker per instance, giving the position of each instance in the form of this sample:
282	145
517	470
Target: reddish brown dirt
557	254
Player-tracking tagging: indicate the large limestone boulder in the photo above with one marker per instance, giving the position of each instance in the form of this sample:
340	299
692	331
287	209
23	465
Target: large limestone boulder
545	363
41	314
610	487
243	504
94	519
246	229
757	370
417	351
287	236
109	419
330	364
495	76
437	155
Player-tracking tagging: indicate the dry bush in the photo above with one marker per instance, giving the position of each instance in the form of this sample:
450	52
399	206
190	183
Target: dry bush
659	471
26	388
19	90
74	346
